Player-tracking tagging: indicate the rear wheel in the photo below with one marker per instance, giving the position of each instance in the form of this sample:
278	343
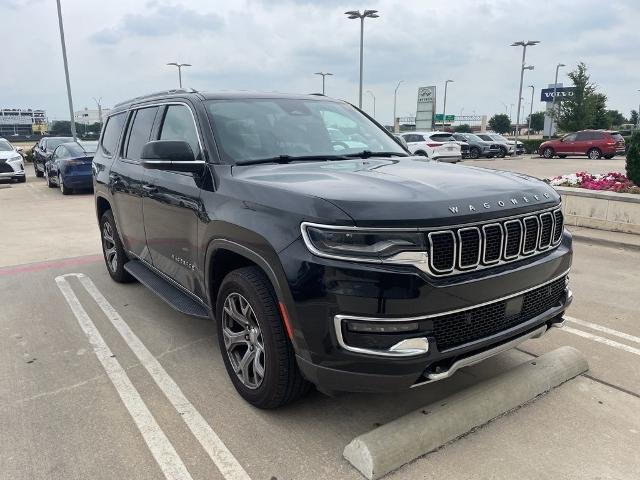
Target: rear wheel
594	154
608	157
548	152
50	184
63	189
38	172
562	156
112	249
257	353
474	153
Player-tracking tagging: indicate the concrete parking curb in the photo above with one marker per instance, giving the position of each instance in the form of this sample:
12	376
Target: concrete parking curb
607	242
380	451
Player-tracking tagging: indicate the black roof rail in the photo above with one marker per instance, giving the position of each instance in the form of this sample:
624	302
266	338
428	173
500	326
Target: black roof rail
318	94
157	94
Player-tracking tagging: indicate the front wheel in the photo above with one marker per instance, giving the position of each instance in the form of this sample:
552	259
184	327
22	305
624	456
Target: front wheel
257	353
547	152
112	249
474	153
594	154
38	172
50	184
503	153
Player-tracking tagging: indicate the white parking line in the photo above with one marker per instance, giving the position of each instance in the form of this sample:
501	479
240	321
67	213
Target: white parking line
161	448
603	329
229	467
606	341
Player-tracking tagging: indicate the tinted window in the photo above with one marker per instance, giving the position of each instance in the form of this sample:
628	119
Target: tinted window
52	143
597	135
485	137
111	134
582	136
617	137
140	131
61	152
442	137
570	138
178	125
73	149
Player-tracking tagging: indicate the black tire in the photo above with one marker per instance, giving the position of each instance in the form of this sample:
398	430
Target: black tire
503	152
22	179
64	190
50	184
38	172
594	154
562	156
608	157
115	265
282	382
548	152
474	153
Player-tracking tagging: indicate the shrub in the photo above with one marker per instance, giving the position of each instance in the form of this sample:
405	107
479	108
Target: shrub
633	158
531	146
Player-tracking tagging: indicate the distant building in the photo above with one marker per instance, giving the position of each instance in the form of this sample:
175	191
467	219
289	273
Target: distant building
17	121
90	116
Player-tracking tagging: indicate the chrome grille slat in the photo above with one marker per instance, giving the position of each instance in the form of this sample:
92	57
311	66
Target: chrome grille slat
468	247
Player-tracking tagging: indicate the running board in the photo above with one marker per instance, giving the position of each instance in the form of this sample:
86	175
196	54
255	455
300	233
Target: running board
171	294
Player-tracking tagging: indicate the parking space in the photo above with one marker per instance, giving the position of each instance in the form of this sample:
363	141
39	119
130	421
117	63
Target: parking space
103	380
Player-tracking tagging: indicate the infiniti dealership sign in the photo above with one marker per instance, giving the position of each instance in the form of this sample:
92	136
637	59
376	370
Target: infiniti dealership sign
546	94
426	108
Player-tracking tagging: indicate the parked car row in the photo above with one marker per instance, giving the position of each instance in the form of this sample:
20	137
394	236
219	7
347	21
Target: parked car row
64	163
11	162
591	143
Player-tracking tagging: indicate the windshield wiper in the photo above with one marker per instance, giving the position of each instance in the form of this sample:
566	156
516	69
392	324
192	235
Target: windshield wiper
292	158
369	153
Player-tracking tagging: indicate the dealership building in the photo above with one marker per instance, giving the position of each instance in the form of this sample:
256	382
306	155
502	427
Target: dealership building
23	122
88	116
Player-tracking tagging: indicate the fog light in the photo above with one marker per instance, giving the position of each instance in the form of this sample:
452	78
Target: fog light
378	327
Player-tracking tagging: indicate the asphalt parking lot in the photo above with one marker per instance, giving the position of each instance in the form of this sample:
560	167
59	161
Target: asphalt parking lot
69	379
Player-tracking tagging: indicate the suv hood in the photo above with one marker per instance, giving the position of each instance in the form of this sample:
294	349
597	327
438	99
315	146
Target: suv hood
410	191
12	154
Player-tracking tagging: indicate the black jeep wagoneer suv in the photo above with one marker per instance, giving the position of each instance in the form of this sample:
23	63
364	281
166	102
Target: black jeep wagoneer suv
325	252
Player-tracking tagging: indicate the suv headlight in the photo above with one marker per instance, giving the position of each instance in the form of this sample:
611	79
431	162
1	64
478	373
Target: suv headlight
13	159
360	244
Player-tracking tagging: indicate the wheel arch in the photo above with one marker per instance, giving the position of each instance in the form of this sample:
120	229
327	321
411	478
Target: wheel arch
102	205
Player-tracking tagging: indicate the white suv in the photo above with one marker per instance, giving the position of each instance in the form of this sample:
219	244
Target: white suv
439	146
11	162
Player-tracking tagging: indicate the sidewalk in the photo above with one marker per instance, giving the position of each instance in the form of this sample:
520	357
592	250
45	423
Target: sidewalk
603	237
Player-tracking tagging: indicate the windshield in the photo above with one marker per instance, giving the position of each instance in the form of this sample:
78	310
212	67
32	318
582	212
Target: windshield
52	143
499	137
5	146
253	129
472	137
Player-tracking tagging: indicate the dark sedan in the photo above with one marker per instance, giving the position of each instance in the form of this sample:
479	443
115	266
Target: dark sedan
69	168
43	151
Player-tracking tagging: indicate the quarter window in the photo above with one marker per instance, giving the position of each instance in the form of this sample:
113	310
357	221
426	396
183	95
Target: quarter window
140	132
111	134
582	136
178	125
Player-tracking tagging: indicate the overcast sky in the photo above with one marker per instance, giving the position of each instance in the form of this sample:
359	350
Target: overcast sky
118	49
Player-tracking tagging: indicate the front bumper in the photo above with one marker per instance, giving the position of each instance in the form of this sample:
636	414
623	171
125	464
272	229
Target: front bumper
326	292
12	169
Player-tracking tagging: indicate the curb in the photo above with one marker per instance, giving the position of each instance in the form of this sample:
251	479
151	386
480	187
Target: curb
387	448
577	236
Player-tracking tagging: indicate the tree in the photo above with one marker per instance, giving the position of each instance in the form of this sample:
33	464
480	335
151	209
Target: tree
500	123
633	159
634	117
616	118
464	128
537	121
580	111
598	105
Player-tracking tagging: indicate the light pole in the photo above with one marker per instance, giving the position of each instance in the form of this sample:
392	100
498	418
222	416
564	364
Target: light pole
323	75
374	102
553	100
352	15
179	65
524	45
66	72
533	89
395	98
444	105
99	109
638	117
506	108
510	110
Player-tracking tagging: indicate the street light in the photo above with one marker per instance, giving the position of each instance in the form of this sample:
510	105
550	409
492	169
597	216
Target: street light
66	72
179	65
510	110
444	106
374	102
506	108
531	112
323	75
395	98
524	45
638	116
352	15
553	100
99	109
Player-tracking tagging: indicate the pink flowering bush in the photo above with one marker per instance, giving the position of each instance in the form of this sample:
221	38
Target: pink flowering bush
612	182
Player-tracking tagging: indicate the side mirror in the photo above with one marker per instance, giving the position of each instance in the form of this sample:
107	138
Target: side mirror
173	155
19	149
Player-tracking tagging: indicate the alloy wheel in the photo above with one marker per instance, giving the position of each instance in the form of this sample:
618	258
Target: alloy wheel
109	246
243	340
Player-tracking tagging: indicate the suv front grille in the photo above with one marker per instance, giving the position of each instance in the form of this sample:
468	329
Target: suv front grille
468	247
458	328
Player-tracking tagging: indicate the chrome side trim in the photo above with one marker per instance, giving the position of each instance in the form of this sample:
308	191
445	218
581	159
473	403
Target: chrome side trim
479	357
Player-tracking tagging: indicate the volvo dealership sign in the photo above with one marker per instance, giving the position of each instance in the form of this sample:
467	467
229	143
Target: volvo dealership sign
426	108
561	93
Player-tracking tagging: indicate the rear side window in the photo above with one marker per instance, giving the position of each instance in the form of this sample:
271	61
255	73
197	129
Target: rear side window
617	137
441	137
581	136
597	135
178	125
140	131
111	134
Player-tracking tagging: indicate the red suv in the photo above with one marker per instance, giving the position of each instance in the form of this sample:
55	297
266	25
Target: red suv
592	143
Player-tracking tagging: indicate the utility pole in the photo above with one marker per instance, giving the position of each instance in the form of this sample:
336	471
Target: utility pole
524	45
553	100
530	112
444	107
395	99
66	72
